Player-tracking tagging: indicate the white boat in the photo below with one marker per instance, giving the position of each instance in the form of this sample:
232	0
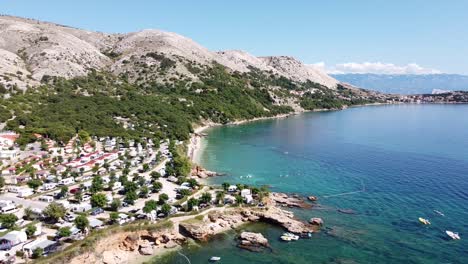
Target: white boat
453	235
439	213
289	237
214	258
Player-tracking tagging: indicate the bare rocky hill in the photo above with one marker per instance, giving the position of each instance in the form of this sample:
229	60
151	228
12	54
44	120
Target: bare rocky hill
32	50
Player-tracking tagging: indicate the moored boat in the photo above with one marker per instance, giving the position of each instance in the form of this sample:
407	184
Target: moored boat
453	235
424	221
289	237
214	258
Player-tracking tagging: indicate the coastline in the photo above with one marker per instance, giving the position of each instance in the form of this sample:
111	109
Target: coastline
195	146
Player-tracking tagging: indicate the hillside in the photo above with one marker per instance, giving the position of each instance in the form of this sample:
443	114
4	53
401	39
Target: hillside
406	84
32	49
57	81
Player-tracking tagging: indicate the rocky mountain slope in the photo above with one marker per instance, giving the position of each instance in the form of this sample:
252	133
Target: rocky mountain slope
31	50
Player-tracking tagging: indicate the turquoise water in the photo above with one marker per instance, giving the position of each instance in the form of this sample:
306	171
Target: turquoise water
389	164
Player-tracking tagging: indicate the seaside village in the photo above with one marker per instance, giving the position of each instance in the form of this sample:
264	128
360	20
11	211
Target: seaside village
54	194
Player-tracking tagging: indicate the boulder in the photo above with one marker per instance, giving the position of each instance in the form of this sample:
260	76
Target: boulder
252	241
312	198
146	249
316	221
284	200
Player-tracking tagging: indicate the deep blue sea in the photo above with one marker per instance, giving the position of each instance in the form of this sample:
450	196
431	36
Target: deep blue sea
389	164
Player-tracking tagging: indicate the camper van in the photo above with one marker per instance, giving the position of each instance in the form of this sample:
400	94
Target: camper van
48	186
25	192
81	208
66	181
46	199
13	189
11	208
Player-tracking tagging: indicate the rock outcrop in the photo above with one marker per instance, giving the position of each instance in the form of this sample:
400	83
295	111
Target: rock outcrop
221	221
202	173
316	221
125	247
252	241
283	199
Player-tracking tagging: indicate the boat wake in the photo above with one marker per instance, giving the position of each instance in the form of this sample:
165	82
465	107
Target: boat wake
363	189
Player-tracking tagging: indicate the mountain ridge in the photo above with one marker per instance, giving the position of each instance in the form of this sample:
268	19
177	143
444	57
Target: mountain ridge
33	49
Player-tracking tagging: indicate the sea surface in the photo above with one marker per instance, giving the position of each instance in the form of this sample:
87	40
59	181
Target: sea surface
388	164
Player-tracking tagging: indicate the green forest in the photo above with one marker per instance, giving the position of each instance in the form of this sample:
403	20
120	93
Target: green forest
106	105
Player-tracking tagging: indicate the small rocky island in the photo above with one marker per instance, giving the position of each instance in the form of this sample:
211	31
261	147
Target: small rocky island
255	242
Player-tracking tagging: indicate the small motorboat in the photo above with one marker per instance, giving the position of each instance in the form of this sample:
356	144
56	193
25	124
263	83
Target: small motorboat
214	259
424	221
453	235
289	237
439	213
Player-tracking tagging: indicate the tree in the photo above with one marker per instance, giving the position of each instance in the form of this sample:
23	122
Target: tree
98	200
63	191
146	167
84	136
2	182
81	222
225	186
206	197
115	204
156	186
239	199
54	211
79	196
165	209
220	196
144	192
191	203
130	187
37	253
34	184
130	197
97	185
30	230
163	198
29	214
141	181
193	183
155	175
8	221
64	232
95	168
184	192
113	216
150	206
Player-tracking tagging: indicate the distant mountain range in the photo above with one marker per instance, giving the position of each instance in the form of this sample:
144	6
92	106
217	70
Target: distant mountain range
406	84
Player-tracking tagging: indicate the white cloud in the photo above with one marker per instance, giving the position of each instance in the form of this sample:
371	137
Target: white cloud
375	67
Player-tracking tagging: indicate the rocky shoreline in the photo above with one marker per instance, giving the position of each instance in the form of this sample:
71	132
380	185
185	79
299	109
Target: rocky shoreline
221	221
140	246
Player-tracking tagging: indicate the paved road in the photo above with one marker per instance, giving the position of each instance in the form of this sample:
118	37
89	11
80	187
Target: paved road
25	202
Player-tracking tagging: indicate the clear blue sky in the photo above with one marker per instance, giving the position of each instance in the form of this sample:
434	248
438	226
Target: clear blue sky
433	34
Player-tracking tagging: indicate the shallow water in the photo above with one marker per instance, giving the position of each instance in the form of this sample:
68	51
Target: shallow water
389	164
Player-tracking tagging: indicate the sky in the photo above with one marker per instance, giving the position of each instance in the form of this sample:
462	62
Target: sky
397	36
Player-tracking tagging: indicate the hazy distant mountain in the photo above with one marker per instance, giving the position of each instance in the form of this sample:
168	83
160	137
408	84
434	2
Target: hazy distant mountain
406	84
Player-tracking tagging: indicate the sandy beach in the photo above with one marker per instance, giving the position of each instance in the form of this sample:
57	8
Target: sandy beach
194	148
